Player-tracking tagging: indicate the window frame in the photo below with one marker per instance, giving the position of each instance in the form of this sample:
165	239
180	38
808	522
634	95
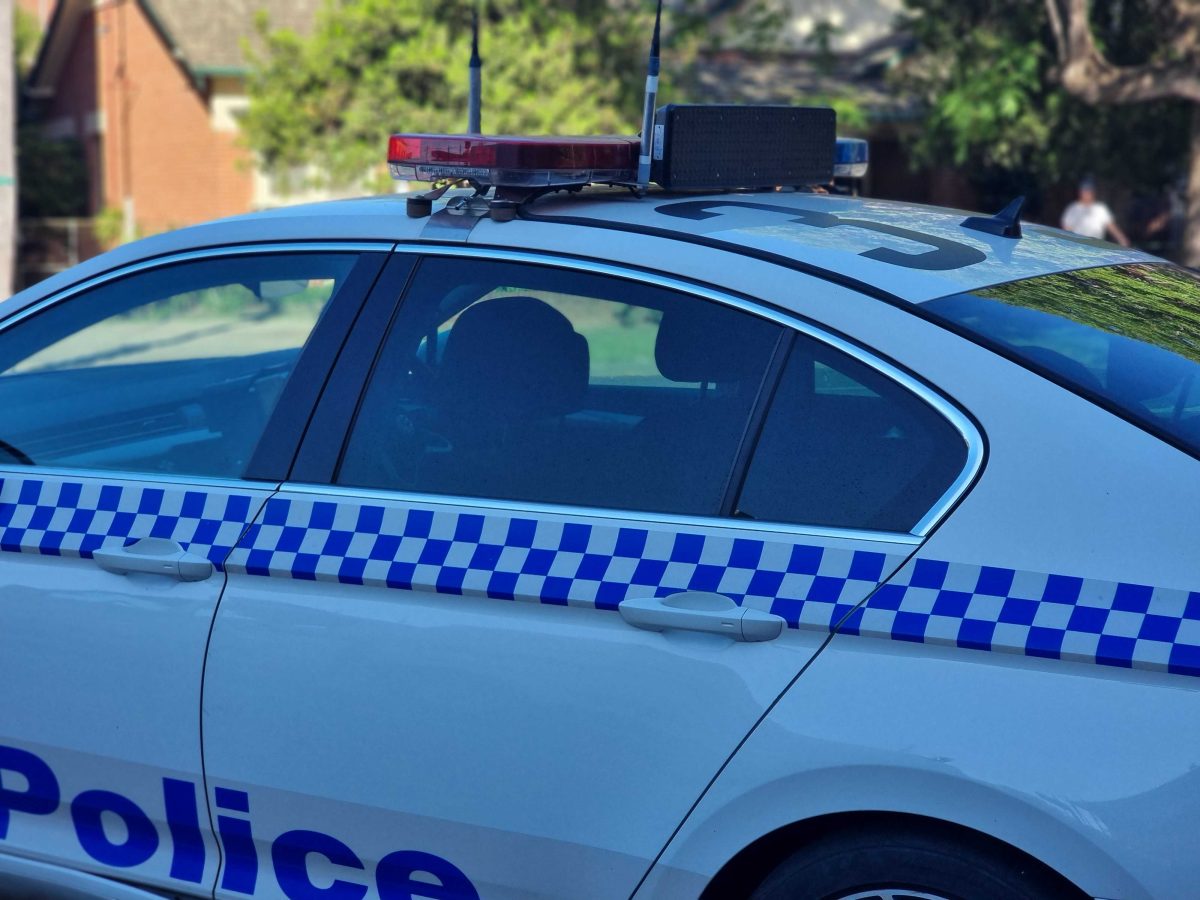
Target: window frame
319	455
276	450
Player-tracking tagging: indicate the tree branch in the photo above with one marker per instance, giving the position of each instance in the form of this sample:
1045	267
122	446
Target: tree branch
1084	71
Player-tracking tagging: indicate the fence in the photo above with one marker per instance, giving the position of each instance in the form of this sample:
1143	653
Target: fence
47	246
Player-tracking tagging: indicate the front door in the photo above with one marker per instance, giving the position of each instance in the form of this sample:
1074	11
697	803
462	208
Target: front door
132	410
512	637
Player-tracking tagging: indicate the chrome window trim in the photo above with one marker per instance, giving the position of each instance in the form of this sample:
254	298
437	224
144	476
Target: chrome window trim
190	482
568	511
191	256
959	419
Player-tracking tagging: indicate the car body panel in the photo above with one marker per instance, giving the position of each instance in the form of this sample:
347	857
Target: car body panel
102	670
1027	751
1087	767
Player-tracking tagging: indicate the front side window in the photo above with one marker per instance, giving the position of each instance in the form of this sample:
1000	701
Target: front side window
175	370
1127	336
537	384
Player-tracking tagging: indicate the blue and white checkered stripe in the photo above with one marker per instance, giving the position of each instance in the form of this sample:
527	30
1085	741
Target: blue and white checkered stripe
66	517
1035	614
546	559
598	563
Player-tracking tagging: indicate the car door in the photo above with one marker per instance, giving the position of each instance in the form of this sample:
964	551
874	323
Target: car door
143	429
511	615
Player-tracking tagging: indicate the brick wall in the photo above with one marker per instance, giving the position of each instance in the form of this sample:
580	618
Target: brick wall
158	142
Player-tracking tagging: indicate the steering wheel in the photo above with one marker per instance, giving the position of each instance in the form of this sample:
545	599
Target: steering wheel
19	456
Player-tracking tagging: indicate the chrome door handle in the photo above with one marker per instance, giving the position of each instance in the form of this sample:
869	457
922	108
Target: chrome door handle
701	611
155	556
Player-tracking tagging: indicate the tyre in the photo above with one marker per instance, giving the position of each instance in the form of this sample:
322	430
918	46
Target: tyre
895	865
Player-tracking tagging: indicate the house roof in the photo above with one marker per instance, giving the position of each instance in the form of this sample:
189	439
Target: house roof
205	37
799	78
208	37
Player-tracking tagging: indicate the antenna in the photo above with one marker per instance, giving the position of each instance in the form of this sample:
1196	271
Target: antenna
1006	223
643	175
475	70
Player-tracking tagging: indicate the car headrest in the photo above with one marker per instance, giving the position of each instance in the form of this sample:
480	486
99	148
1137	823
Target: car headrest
704	342
513	358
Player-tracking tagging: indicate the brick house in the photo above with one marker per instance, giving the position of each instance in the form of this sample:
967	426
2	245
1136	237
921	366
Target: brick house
153	89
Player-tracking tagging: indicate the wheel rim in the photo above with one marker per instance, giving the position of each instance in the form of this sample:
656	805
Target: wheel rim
892	894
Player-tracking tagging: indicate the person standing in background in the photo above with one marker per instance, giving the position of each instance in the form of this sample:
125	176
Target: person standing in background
1089	217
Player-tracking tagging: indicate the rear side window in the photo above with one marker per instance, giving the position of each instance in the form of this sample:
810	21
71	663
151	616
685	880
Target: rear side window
531	383
1125	336
844	446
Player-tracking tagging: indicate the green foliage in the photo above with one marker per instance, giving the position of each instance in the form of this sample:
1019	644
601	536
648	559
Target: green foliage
376	66
851	114
985	72
53	175
109	226
27	37
372	67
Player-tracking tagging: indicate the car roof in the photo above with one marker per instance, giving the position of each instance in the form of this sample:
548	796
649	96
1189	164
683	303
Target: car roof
908	251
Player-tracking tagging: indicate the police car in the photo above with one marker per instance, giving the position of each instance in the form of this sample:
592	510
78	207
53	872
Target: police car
608	543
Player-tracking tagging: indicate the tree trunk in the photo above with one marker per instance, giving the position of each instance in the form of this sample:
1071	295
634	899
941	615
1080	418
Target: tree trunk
1190	251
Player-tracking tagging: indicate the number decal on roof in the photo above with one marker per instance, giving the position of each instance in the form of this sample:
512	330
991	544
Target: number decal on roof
946	254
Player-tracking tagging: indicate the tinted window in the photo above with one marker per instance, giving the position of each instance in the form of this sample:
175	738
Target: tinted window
843	446
174	370
1128	336
545	385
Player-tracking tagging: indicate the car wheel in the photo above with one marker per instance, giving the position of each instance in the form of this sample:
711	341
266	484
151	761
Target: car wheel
889	865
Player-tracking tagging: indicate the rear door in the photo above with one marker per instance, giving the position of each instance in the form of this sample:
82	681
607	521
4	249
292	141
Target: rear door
145	415
512	613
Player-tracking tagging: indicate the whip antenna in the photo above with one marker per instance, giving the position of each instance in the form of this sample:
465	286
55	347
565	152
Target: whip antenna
643	176
475	70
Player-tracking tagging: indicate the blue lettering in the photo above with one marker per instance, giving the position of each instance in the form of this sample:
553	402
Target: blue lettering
241	859
141	839
394	878
289	855
40	797
403	875
183	820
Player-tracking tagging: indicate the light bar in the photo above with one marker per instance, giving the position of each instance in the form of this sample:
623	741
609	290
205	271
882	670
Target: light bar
851	158
513	161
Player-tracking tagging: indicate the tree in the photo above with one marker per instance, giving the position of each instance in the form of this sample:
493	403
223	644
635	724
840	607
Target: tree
371	67
1170	71
989	77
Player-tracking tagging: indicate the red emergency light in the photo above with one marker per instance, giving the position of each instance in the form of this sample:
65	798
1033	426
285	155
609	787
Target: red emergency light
513	161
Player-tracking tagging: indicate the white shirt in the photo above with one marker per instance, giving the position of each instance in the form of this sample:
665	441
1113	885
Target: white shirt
1089	219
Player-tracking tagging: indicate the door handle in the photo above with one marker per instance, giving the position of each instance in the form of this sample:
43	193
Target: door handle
701	611
155	556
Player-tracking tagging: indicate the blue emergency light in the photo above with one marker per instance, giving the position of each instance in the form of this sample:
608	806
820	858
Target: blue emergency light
851	156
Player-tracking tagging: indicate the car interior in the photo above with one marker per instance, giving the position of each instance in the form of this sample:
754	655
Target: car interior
490	391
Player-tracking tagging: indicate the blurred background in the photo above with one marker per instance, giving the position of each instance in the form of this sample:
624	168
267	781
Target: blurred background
139	116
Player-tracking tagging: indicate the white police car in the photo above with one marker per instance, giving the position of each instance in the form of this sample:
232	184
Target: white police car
751	544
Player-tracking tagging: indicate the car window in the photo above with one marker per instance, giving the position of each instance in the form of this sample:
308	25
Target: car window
1127	336
532	383
844	446
173	370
